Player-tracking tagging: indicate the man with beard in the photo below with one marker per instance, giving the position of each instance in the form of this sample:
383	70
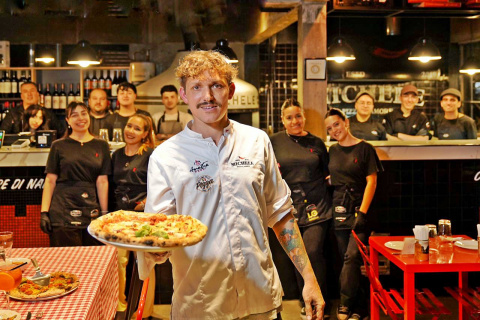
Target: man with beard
99	113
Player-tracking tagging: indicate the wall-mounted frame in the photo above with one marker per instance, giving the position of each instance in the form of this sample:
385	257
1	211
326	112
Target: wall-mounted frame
315	69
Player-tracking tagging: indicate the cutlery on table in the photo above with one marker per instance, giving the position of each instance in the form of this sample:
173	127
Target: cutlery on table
29	315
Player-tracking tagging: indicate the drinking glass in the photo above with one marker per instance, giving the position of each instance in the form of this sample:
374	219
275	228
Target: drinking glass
117	135
9	280
444	228
103	134
6	242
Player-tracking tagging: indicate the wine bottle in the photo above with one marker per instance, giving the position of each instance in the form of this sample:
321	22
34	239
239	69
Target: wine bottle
87	84
78	96
108	84
2	86
7	85
29	76
48	97
41	96
63	97
101	81
115	84
55	97
21	81
71	95
14	83
94	81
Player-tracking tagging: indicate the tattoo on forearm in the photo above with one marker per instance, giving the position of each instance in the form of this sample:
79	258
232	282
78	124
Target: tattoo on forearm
292	244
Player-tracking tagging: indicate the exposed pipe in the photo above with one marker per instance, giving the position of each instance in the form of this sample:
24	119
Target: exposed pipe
392	26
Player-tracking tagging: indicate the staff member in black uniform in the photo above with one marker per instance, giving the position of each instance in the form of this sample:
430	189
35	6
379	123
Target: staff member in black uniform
406	123
452	124
77	171
34	119
353	169
99	113
362	125
303	161
130	165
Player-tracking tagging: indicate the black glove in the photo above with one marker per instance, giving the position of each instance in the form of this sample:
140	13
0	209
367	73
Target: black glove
360	224
45	223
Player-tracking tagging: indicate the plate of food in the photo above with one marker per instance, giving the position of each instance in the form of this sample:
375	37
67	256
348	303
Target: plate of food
61	284
150	232
10	315
467	244
395	245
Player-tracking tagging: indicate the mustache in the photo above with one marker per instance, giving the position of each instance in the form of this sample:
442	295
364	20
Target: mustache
207	104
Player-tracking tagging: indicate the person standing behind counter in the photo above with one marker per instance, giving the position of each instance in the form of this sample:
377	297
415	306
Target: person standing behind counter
303	162
452	124
353	168
171	121
362	125
406	123
77	171
99	113
224	173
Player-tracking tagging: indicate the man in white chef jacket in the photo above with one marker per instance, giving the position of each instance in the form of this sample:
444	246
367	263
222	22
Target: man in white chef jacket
225	174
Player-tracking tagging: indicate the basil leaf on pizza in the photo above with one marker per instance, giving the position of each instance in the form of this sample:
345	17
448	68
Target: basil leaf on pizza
150	229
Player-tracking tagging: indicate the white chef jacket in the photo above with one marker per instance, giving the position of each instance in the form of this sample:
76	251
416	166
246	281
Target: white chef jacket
235	189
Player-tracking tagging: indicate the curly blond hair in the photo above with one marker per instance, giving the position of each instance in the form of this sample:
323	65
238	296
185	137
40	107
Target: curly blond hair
197	62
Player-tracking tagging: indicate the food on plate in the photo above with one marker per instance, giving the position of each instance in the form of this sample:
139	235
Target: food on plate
149	229
60	283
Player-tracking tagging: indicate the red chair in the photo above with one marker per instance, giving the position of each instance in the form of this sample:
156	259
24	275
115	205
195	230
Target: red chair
469	299
391	301
143	297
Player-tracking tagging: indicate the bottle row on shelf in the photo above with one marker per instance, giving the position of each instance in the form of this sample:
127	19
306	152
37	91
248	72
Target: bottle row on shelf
101	79
10	83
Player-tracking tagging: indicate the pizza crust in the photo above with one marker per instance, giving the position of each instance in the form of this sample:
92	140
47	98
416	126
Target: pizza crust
149	229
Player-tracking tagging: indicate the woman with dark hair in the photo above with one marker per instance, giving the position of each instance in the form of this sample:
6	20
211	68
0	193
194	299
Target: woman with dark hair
353	170
129	184
76	186
34	119
303	162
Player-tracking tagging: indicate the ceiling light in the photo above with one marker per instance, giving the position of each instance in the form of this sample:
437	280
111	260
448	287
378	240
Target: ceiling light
340	51
44	55
83	55
471	66
424	51
222	47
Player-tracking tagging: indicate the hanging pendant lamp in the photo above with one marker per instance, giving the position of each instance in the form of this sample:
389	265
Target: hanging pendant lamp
424	51
471	66
44	55
83	55
340	51
223	47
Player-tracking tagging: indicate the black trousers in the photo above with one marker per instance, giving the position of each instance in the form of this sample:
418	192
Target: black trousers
72	237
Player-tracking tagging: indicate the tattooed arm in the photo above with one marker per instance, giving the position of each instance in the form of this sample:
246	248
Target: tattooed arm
290	238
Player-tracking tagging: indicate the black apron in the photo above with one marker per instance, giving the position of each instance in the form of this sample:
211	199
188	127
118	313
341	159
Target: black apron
74	204
345	201
169	127
309	202
128	196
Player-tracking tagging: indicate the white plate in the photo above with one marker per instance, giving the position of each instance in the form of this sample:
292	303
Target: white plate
467	244
395	245
131	247
5	314
44	298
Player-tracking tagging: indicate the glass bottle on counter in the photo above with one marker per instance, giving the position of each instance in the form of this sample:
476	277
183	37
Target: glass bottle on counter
78	95
115	84
63	97
48	97
101	81
41	96
94	80
87	84
55	97
108	84
71	95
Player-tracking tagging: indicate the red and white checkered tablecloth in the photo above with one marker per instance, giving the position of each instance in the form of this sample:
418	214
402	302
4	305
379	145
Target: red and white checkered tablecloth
96	268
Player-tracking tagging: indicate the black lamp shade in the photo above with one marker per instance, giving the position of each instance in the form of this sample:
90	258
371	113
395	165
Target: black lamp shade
471	66
340	51
222	47
424	51
83	55
44	55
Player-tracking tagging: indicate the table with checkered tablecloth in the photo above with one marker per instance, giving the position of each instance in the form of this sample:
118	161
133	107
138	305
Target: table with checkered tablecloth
96	268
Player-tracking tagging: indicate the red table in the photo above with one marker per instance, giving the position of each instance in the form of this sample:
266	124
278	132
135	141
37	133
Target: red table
96	267
452	259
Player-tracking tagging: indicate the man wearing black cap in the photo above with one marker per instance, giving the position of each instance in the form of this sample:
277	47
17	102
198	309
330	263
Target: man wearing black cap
452	124
406	123
362	125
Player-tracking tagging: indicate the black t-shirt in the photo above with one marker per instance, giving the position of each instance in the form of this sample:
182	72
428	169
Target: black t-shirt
118	121
460	128
130	178
416	124
350	166
101	123
368	130
303	163
72	160
13	121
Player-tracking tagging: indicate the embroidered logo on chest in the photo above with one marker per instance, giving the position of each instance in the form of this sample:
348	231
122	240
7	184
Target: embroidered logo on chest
199	166
204	183
242	162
